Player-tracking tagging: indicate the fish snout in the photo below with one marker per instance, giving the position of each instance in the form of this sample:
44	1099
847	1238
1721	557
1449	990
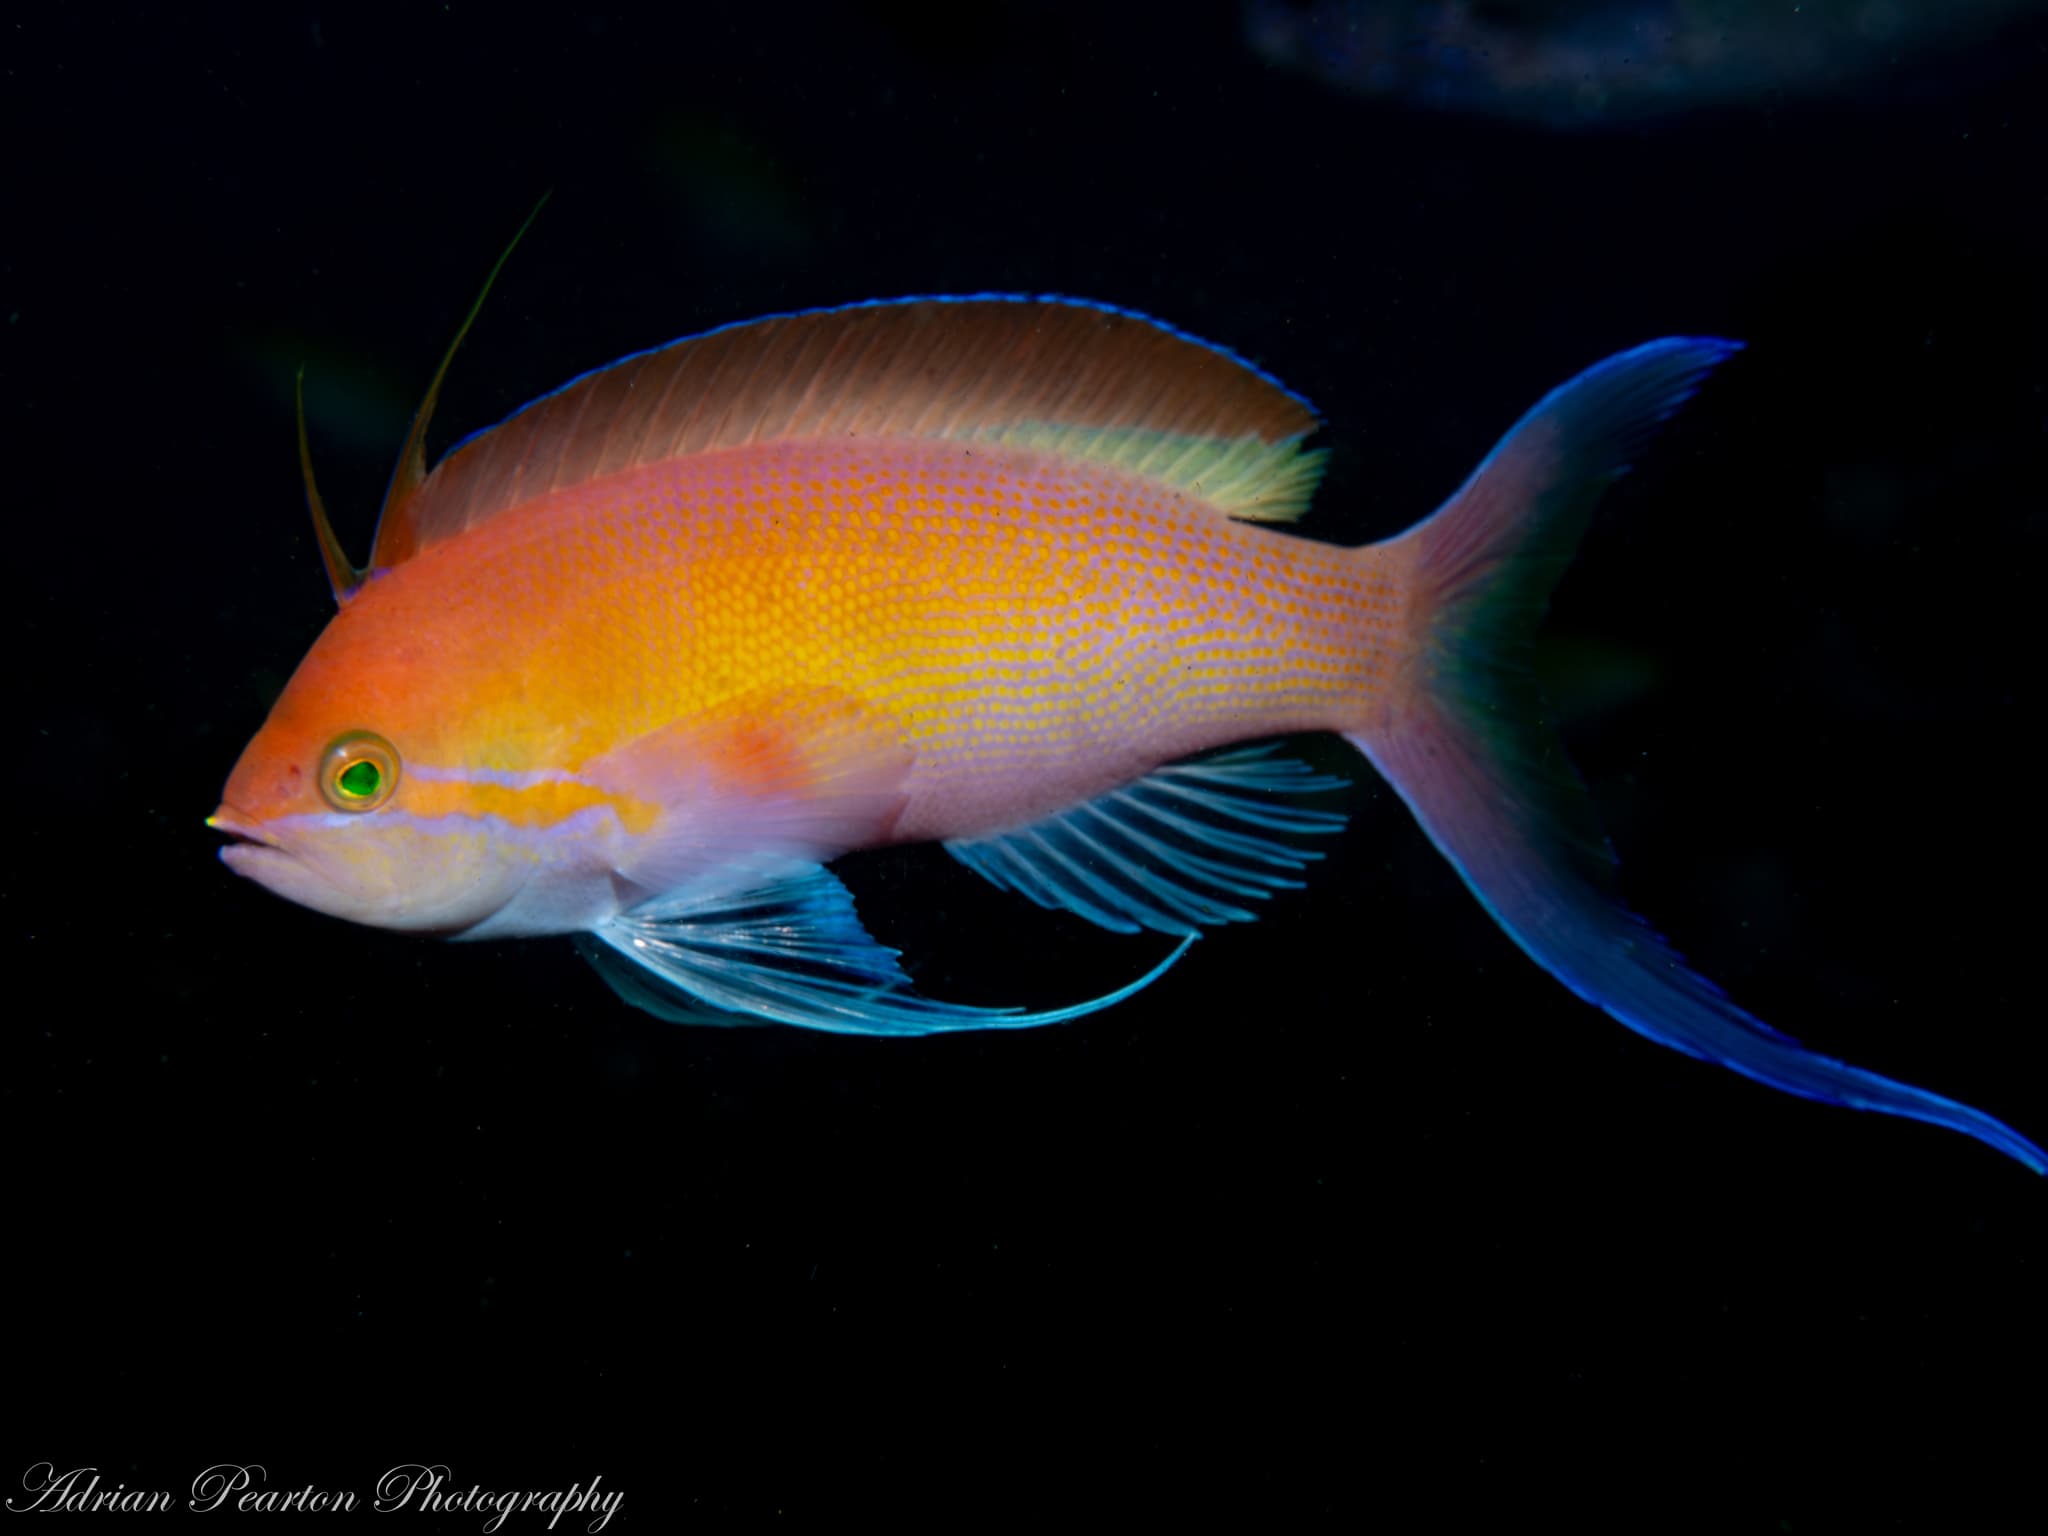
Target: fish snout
239	828
253	850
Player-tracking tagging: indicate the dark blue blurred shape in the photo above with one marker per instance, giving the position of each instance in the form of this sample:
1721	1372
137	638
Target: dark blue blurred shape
1587	62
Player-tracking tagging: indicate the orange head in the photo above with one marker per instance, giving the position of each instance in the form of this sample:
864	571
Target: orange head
365	794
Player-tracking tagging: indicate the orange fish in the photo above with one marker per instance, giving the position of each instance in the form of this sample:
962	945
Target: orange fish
999	573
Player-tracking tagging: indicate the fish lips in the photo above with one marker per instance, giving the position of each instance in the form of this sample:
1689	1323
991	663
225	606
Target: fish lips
257	853
247	839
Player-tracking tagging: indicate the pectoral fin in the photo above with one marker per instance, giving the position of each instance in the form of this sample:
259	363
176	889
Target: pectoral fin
788	774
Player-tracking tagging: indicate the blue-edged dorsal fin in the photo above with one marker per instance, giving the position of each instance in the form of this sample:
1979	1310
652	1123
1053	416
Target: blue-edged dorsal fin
1059	376
395	536
1173	852
788	949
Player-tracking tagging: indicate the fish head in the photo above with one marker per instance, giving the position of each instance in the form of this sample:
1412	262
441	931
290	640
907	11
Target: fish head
356	799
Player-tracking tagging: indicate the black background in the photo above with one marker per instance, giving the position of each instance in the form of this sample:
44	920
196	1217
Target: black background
1356	1212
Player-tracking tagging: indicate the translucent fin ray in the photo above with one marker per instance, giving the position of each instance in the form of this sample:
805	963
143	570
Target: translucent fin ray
790	950
1165	852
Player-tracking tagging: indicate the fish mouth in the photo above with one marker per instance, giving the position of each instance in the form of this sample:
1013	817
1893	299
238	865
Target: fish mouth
252	850
240	831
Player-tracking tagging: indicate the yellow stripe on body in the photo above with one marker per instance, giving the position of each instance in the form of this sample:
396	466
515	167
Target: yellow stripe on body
536	805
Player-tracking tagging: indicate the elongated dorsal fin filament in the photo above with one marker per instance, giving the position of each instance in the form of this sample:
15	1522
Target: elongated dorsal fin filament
341	576
412	458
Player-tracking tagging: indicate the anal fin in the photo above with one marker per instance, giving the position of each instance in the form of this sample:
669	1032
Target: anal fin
1175	852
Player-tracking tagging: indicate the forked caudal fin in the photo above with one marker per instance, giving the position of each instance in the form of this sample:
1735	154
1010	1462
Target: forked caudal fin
1468	743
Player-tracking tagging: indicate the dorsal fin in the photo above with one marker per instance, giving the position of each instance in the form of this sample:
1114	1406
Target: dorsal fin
411	470
1058	374
343	577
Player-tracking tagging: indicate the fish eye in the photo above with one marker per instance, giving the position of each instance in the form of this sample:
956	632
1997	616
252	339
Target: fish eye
358	771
